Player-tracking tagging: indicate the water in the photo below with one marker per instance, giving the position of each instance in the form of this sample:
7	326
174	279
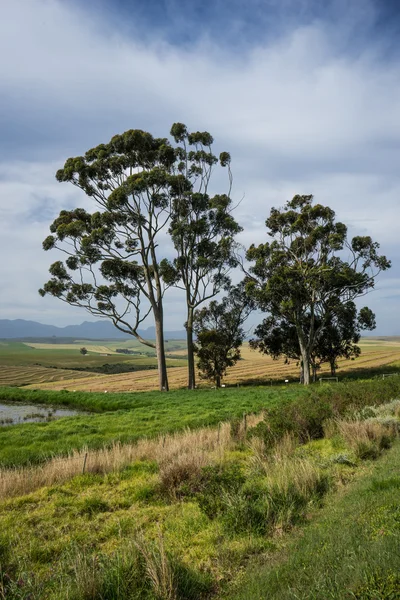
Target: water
13	414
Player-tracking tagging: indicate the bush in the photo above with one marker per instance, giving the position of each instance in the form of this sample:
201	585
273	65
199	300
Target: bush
216	481
181	476
303	418
276	501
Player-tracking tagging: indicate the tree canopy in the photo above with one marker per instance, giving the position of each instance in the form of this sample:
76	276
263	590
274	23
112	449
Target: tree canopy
309	271
202	228
113	263
338	339
220	333
143	187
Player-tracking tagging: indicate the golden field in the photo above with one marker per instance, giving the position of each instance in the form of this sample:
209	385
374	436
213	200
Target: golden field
37	376
253	367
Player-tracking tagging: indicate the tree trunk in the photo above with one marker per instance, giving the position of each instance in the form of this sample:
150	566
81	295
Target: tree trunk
218	381
333	368
190	351
306	370
160	350
314	372
305	358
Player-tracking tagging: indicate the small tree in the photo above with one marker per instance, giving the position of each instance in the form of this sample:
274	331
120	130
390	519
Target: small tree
83	351
220	334
202	228
303	275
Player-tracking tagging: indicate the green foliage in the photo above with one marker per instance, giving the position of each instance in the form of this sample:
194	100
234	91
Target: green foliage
262	505
338	336
300	277
202	227
220	334
303	417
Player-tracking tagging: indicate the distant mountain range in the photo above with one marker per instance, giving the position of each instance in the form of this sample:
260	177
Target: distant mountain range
95	330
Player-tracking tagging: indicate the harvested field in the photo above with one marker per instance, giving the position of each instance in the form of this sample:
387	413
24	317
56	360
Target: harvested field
38	375
253	367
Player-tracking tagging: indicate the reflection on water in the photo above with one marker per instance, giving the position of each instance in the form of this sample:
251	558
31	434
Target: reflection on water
13	414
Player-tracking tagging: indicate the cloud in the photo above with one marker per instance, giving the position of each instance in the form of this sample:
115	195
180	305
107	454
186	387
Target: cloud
306	107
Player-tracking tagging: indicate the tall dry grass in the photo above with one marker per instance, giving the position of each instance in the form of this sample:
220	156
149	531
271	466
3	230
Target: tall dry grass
158	567
190	445
367	438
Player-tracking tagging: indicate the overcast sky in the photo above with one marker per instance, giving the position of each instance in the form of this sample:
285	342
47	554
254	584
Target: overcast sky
304	94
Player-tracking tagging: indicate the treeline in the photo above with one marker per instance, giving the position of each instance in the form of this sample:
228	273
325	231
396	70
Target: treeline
159	225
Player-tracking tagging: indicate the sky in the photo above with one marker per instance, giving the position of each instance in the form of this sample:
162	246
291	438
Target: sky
304	94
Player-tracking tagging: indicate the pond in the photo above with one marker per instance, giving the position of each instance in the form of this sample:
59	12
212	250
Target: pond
13	414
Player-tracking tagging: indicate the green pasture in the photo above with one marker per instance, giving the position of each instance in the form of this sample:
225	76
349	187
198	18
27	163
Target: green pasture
232	529
133	416
127	417
21	354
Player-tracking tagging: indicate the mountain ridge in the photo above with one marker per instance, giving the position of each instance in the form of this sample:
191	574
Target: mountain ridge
97	330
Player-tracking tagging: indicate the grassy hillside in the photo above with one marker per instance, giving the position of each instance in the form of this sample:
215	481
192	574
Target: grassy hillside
183	517
37	363
356	538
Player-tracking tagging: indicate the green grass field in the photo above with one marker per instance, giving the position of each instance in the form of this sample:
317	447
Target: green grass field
127	417
352	550
206	518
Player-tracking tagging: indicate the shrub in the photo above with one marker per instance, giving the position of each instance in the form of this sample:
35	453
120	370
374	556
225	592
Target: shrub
367	438
276	500
303	418
216	481
181	476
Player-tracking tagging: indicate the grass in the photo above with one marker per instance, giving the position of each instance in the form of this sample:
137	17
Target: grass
134	416
128	417
180	517
356	539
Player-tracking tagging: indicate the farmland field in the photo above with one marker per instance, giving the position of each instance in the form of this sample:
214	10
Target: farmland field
10	375
40	362
252	368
